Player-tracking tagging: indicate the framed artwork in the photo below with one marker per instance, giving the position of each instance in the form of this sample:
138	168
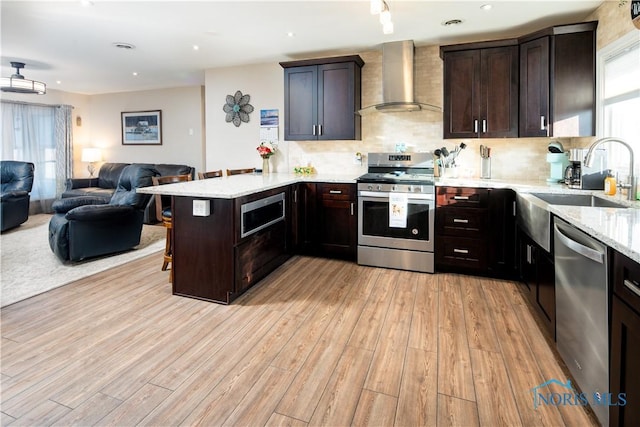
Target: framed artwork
142	127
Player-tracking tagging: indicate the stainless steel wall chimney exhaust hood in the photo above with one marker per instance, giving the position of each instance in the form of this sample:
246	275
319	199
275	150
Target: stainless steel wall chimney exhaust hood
397	80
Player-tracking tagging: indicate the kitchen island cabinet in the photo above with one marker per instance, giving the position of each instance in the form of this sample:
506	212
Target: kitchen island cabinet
212	260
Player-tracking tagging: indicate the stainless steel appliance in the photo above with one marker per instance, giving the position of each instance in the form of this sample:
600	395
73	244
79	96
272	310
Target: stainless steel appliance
578	175
396	212
582	314
261	214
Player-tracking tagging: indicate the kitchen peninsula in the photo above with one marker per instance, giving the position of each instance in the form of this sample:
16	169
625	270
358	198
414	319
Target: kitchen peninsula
230	232
217	256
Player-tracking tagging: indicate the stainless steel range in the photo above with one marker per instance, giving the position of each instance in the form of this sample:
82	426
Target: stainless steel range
396	211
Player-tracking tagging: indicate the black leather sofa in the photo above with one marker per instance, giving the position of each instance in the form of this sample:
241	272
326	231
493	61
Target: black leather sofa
104	184
85	226
16	183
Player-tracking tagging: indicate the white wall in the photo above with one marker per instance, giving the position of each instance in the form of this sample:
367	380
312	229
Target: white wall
182	126
231	147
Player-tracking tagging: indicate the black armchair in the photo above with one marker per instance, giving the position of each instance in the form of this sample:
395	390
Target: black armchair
86	226
16	181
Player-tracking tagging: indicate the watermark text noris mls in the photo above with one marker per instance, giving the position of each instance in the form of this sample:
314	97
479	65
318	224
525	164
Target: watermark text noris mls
543	397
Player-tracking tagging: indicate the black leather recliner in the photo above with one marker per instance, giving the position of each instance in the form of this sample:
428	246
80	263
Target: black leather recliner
17	181
85	227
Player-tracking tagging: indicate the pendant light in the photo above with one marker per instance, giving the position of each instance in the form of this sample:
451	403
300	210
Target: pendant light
17	83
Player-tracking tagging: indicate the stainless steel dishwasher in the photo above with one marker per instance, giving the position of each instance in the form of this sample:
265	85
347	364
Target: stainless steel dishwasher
582	316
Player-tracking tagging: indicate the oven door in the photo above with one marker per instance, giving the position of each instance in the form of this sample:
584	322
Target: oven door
373	222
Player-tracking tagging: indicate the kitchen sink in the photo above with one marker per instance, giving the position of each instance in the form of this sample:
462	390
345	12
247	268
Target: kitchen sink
577	200
534	216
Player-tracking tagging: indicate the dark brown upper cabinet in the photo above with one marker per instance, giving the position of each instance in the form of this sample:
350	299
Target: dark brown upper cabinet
481	89
321	98
557	81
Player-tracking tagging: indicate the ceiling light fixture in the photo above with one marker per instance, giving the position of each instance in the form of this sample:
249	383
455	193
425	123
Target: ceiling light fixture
380	7
17	83
486	7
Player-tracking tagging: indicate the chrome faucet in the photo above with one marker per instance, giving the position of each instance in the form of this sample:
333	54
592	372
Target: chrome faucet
588	160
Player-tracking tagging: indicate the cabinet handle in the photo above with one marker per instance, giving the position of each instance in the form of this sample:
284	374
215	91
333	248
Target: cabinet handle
632	286
461	251
313	131
475	126
351	208
462	221
335	191
460	197
542	127
319	129
484	126
514	208
295	196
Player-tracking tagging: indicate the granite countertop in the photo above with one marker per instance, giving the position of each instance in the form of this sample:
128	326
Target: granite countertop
617	228
231	187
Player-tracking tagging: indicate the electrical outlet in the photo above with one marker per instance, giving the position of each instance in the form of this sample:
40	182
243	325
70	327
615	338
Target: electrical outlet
201	208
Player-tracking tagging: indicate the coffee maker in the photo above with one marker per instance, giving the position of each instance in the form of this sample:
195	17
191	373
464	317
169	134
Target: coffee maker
578	175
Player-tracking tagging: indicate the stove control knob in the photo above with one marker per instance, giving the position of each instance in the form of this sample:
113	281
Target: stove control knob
394	188
410	188
379	187
369	187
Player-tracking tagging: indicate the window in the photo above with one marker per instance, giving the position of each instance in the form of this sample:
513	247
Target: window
619	99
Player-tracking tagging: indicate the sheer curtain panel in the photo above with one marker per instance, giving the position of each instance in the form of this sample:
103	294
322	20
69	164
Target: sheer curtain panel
40	134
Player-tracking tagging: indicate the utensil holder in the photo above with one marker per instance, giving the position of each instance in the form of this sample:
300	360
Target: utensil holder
485	167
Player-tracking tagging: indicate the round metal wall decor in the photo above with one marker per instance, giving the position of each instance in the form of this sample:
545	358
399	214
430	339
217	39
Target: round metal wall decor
237	108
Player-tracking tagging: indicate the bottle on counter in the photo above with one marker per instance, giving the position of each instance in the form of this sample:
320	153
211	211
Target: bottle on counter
610	185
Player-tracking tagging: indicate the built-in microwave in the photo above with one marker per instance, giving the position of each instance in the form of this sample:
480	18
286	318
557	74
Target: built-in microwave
262	213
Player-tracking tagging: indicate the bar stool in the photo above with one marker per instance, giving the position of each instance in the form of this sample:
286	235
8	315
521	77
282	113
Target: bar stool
240	171
210	174
163	210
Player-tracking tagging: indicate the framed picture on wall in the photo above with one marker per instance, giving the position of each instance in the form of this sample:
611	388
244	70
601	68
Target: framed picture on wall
142	127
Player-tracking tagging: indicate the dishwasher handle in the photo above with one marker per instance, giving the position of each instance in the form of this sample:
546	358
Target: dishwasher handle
585	251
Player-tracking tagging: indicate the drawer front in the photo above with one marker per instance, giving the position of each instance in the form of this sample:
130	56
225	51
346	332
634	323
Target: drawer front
337	191
626	280
463	197
462	222
461	252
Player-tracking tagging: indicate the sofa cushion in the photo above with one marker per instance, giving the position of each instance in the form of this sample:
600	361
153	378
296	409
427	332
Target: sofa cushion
109	174
167	170
104	193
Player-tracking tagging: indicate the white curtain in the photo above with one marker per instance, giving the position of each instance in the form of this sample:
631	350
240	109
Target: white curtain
40	134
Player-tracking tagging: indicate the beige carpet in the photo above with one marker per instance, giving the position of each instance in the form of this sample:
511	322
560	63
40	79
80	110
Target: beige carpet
29	267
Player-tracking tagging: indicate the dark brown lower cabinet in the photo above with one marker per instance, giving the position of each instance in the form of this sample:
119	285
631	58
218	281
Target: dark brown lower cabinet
537	277
211	259
337	220
624	375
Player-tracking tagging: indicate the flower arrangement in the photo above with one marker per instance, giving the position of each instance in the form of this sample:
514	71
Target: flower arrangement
266	149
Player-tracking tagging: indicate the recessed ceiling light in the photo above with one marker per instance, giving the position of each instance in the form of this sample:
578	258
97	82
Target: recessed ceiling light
125	46
452	22
86	3
196	47
486	7
59	82
291	34
135	73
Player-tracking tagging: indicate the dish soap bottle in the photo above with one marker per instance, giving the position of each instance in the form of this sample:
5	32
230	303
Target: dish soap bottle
610	185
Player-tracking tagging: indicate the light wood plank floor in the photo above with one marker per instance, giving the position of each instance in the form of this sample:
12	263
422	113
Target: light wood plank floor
319	342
